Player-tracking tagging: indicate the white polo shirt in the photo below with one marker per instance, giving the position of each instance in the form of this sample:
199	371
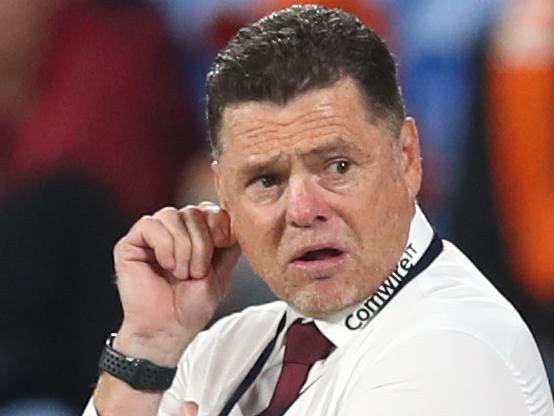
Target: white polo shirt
447	343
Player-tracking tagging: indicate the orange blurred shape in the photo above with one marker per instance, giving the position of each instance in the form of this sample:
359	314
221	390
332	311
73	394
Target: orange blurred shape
521	116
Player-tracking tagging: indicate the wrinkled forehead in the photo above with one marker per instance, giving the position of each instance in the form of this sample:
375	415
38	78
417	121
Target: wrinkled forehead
311	119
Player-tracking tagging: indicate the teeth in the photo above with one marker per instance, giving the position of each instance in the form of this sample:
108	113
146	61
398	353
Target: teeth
320	254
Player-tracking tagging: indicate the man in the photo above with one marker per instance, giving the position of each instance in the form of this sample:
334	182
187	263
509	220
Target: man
317	170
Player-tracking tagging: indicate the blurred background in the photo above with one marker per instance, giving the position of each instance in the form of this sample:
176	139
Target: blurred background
101	121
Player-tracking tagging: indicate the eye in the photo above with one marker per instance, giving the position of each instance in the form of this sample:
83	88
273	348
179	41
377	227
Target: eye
340	166
267	181
265	188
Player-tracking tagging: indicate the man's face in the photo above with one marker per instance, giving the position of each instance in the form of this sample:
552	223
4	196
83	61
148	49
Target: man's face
320	198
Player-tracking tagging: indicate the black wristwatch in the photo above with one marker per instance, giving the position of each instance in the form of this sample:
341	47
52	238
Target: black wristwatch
139	373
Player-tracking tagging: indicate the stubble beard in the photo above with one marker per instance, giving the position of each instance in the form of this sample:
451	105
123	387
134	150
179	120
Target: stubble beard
353	287
317	305
320	304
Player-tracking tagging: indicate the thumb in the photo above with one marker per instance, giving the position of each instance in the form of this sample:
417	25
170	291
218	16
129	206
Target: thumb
189	409
225	260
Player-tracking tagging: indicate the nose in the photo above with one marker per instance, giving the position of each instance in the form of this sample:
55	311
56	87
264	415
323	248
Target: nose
306	204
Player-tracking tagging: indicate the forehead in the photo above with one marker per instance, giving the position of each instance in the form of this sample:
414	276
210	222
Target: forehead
316	118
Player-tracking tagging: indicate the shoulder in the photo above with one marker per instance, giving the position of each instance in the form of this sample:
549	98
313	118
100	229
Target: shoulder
450	305
454	296
446	371
451	335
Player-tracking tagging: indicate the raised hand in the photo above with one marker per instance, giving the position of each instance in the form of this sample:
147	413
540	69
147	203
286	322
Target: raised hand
173	269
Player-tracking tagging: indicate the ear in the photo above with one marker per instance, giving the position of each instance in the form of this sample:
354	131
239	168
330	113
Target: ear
218	178
410	156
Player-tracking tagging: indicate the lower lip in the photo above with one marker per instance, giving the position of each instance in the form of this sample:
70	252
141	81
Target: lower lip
323	265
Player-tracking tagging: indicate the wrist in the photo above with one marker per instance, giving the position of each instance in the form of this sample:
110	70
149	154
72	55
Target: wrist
141	374
162	349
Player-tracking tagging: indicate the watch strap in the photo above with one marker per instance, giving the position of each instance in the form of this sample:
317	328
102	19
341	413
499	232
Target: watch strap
139	373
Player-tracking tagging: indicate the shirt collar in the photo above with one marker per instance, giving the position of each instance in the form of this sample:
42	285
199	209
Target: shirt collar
340	327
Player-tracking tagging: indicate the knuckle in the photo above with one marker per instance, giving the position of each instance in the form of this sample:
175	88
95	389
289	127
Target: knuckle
145	219
209	206
189	207
156	233
170	216
167	209
192	213
145	223
166	212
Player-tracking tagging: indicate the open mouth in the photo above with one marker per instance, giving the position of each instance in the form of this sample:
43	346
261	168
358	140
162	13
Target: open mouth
323	254
319	261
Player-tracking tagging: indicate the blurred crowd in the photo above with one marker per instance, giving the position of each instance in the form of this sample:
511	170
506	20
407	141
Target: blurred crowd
101	121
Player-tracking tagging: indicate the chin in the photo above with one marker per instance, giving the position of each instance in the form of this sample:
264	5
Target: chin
320	303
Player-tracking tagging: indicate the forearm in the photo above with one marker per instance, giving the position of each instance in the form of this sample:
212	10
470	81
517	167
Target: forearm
115	397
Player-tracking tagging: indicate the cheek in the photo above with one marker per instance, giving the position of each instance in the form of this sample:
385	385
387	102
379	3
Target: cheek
367	206
377	216
257	235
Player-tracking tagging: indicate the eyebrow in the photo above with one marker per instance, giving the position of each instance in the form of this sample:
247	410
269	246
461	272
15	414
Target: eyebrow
336	146
261	165
258	166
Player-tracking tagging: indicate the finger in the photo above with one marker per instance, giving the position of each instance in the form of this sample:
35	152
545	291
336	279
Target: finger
219	224
171	219
135	253
201	241
207	205
189	409
150	233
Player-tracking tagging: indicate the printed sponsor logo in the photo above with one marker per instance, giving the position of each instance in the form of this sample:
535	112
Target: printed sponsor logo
373	304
